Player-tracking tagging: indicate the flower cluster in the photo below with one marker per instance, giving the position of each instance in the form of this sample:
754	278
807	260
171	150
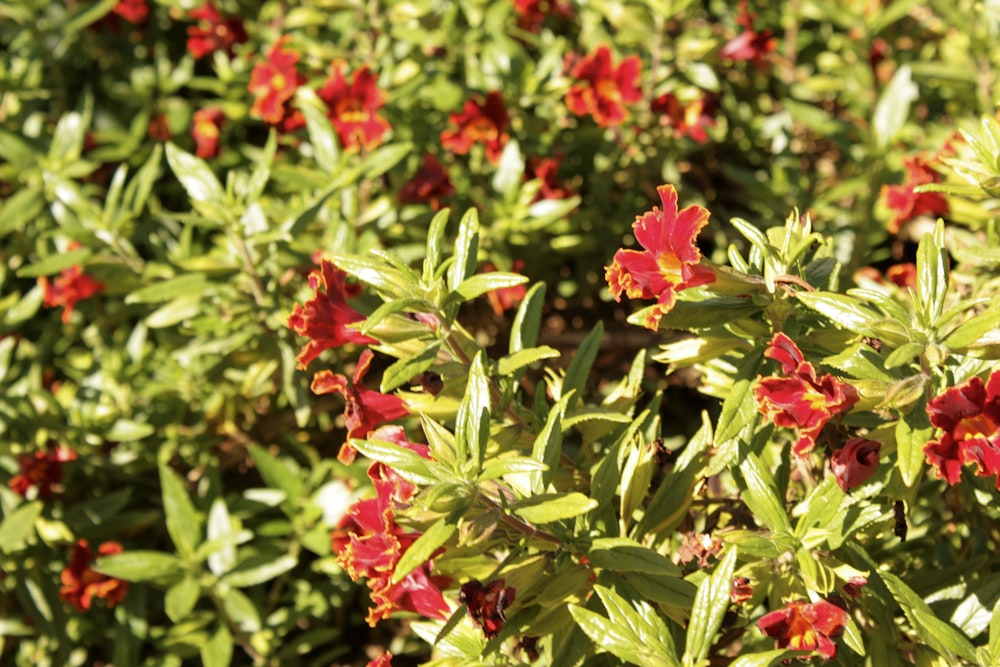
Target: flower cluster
40	471
273	83
686	120
370	543
480	122
969	416
603	91
69	288
81	583
214	33
353	108
750	45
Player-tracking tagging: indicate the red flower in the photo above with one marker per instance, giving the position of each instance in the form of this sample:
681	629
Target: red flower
133	11
902	275
40	471
365	409
531	14
429	185
484	123
273	81
689	120
72	286
969	415
749	45
505	298
158	129
854	585
908	204
81	584
546	170
205	128
212	33
325	317
741	590
670	261
487	604
383	660
806	627
353	108
605	90
855	462
801	400
369	545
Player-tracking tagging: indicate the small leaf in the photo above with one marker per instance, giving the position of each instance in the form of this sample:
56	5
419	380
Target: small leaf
407	368
375	273
259	570
740	405
181	517
549	507
842	310
938	634
913	431
710	606
421	550
893	107
932	275
548	446
435	237
195	175
140	565
622	554
18	526
220	527
578	370
528	320
277	474
481	283
466	250
973	330
322	136
766	658
218	650
761	494
514	362
188	285
181	598
54	263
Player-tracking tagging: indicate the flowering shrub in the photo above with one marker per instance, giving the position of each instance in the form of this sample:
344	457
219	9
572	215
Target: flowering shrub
527	332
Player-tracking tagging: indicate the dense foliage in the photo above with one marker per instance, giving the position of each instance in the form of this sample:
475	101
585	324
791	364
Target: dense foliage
520	332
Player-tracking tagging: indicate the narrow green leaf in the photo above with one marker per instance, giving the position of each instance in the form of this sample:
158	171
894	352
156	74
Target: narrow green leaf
751	233
549	507
548	446
435	238
761	494
375	273
481	283
67	141
262	172
186	285
407	368
913	431
240	609
616	639
421	550
181	598
173	312
18	526
385	158
218	650
893	107
766	658
528	320
938	634
195	175
509	172
472	422
138	189
54	263
932	275
740	406
514	362
623	554
579	368
466	250
220	527
259	570
277	474
403	460
322	136
975	329
140	565
710	605
842	310
181	517
24	205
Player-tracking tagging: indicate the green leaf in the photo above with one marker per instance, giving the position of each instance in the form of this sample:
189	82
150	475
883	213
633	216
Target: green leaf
385	158
497	467
701	314
259	570
403	460
140	565
623	554
548	446
913	431
617	639
932	275
528	320
277	474
514	362
173	312
549	507
219	528
761	494
322	136
766	658
509	173
977	328
481	283
421	550
181	598
20	208
188	285
407	368
842	310
473	421
240	609
54	263
893	107
138	189
375	273
19	525
181	517
740	405
755	236
195	175
466	250
710	605
938	634
579	368
67	141
435	238
218	650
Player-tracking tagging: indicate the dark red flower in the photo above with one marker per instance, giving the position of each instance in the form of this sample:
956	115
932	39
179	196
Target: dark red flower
690	120
353	108
273	82
750	45
505	298
546	170
69	288
158	130
969	415
604	90
803	626
40	471
902	275
324	318
670	262
383	660
531	14
135	12
428	186
205	128
487	604
213	33
81	583
907	204
479	123
741	590
854	585
801	400
855	462
365	409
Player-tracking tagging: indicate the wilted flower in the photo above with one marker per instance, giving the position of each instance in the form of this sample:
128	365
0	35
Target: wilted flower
855	462
353	108
604	90
273	82
213	33
670	262
854	585
365	409
741	590
205	128
324	318
687	120
429	185
801	400
969	415
805	626
69	288
487	604
40	471
484	123
908	204
158	130
749	45
81	583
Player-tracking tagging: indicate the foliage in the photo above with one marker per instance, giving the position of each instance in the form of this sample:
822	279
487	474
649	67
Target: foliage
419	203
